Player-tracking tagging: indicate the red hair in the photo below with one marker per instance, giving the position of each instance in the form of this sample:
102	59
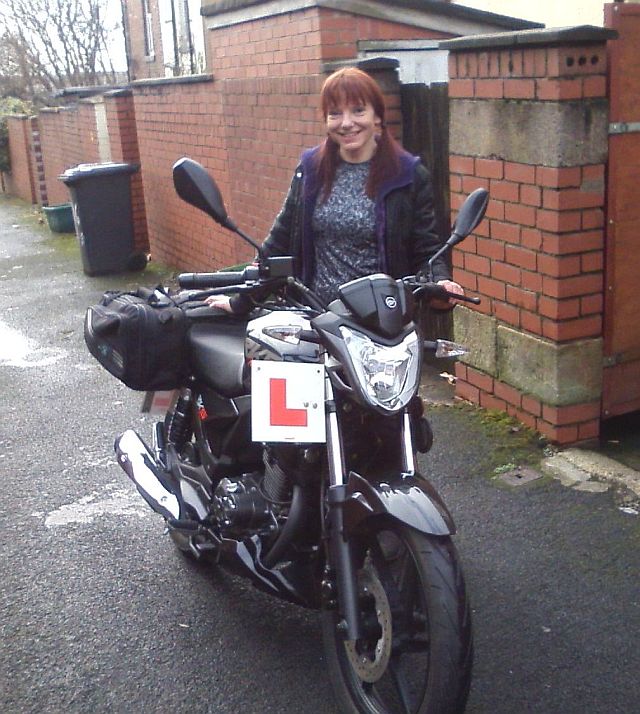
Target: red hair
353	86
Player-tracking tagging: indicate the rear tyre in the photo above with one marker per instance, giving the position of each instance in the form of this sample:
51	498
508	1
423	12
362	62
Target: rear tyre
416	653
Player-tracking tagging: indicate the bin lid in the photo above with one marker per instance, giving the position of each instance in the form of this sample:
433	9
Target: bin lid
75	174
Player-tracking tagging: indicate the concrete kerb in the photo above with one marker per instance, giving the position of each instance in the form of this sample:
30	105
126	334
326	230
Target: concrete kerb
590	471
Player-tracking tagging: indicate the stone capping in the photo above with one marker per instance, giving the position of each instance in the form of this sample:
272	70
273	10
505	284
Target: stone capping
578	35
397	45
120	93
366	64
57	110
427	7
85	92
163	81
216	8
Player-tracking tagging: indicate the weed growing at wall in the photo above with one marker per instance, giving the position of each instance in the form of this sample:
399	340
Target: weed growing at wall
9	105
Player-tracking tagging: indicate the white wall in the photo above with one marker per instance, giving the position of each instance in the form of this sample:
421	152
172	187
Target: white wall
553	13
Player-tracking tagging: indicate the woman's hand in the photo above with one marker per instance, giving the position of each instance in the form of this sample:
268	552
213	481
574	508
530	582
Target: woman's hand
222	302
450	287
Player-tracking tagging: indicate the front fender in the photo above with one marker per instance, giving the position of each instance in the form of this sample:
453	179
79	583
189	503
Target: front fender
411	500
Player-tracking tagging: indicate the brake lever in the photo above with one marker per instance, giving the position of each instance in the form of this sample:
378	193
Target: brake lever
465	298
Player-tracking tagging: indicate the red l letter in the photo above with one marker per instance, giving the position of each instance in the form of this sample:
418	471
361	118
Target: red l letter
280	414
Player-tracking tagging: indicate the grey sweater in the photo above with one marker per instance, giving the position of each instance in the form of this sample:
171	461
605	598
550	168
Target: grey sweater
344	227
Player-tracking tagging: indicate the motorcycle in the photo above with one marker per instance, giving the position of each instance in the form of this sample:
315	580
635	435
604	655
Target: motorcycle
289	456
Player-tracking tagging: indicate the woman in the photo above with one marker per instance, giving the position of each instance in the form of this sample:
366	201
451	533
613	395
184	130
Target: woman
358	203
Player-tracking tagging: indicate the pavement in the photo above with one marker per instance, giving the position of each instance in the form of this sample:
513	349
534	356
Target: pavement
97	613
602	465
605	465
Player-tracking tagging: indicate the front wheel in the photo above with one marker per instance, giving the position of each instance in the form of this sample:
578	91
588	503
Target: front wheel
416	651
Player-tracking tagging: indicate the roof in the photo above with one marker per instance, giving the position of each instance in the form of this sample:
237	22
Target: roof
429	7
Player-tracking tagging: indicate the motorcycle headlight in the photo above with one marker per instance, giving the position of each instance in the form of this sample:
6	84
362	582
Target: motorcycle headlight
388	376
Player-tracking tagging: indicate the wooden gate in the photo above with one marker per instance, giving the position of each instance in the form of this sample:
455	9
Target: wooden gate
621	374
425	133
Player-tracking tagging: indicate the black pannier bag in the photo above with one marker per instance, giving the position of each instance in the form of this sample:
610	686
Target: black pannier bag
139	337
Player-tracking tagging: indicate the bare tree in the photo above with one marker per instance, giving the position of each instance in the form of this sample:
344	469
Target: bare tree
50	44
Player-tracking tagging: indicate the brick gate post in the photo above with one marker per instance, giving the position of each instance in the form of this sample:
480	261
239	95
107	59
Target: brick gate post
529	121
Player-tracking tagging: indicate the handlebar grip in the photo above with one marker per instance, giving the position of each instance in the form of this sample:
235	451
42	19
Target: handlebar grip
202	281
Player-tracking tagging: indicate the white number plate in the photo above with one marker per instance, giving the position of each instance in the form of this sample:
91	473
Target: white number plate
287	402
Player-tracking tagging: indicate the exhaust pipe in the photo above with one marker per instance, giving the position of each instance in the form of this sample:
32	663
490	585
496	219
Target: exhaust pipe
143	469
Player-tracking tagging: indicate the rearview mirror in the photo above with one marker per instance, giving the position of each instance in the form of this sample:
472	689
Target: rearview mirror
195	186
470	215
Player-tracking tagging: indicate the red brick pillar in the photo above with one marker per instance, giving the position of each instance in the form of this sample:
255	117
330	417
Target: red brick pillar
21	181
529	119
123	139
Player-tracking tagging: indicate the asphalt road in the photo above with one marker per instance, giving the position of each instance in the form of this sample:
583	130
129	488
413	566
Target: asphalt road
98	613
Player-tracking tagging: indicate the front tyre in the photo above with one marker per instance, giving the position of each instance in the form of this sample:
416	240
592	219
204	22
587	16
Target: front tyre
416	653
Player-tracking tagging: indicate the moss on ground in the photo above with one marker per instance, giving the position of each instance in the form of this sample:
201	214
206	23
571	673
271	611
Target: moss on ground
511	444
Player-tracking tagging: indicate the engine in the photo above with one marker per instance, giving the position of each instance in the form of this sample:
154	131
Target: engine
258	501
238	505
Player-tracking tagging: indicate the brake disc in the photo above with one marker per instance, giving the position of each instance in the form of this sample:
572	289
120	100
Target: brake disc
371	665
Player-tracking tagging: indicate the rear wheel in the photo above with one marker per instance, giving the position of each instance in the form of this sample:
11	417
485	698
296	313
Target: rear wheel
416	653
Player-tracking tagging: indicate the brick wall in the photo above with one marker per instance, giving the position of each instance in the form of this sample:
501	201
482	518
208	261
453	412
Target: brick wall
299	42
268	122
62	148
20	182
69	136
248	127
529	123
88	132
179	118
340	32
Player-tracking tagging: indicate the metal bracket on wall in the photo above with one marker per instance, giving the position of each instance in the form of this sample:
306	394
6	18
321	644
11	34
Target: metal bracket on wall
621	127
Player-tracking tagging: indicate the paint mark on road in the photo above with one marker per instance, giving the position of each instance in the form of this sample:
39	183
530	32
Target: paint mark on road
115	501
17	350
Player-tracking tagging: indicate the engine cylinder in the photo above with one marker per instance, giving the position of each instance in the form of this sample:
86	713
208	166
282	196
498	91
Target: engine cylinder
277	485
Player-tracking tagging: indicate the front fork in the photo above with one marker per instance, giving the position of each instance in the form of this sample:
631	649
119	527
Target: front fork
341	549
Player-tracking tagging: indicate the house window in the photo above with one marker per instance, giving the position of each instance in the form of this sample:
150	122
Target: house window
147	24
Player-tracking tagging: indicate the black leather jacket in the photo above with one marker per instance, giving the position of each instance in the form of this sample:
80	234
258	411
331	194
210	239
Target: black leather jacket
405	221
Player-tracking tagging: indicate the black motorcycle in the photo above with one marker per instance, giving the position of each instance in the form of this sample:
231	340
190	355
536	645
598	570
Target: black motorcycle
288	455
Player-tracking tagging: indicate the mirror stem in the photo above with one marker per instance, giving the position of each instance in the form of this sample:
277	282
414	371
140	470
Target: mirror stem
232	227
433	258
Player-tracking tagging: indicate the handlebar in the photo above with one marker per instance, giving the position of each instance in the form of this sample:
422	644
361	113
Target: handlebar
222	279
277	267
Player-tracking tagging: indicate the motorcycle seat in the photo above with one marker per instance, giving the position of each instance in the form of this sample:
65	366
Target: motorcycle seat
217	354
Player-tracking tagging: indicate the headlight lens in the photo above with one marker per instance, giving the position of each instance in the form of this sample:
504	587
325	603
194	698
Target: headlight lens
388	376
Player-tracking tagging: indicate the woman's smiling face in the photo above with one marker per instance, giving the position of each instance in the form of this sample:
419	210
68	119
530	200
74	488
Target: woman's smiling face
353	126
